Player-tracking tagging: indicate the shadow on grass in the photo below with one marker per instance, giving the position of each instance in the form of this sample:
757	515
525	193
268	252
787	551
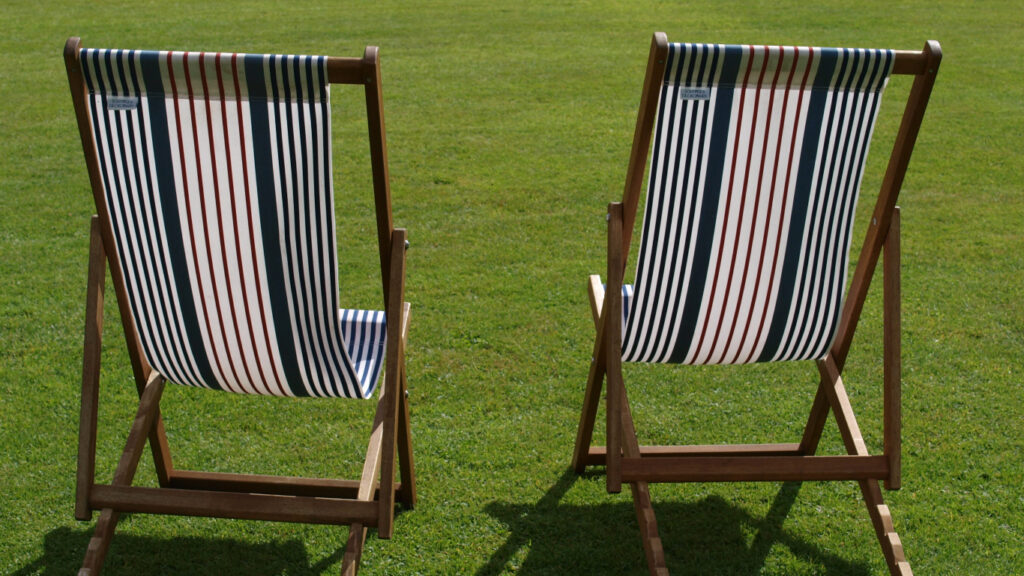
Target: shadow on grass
64	549
707	537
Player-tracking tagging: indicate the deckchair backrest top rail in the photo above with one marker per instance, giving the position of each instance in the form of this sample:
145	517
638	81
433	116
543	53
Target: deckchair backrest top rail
755	170
212	175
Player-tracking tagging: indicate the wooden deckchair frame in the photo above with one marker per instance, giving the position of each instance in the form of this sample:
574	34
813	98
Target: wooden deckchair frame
627	461
361	504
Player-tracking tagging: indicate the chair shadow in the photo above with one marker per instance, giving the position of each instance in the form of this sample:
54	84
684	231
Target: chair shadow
710	536
64	549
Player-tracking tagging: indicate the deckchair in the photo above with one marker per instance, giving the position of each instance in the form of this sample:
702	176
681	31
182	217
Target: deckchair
758	155
212	179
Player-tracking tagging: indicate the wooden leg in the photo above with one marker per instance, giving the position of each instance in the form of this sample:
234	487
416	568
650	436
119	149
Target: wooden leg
395	360
840	403
90	372
386	494
815	421
406	464
161	451
353	550
368	480
881	519
595	381
611	335
892	548
591	400
614	425
367	486
100	542
653	549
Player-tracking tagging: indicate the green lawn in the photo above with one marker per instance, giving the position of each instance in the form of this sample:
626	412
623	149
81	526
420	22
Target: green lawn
509	126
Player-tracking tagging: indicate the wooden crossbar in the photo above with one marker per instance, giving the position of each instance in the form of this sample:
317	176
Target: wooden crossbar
754	468
273	507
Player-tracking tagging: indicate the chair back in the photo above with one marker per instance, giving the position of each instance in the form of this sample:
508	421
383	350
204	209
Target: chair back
755	170
217	189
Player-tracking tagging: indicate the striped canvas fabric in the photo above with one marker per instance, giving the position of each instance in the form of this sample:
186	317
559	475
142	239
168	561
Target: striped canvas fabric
755	170
217	173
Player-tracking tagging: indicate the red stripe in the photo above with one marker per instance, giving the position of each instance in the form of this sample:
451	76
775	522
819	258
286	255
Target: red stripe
252	242
238	248
184	179
785	196
202	201
740	286
757	203
728	206
728	198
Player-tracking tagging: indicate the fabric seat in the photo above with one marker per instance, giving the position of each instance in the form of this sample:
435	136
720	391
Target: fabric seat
232	276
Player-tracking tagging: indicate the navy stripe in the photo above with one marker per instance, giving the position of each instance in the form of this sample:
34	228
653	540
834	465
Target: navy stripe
266	200
289	183
709	210
821	198
666	273
112	182
307	195
798	216
152	64
867	101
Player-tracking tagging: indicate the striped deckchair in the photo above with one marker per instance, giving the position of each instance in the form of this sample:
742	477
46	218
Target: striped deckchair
212	178
757	154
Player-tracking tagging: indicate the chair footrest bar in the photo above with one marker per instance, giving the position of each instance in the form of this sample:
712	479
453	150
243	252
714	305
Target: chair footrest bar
754	468
272	507
597	455
261	484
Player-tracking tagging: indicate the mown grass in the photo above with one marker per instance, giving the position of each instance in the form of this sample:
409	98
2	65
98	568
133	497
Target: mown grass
509	127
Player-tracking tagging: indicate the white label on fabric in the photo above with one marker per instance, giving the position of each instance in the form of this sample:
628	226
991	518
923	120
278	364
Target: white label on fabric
122	102
695	93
